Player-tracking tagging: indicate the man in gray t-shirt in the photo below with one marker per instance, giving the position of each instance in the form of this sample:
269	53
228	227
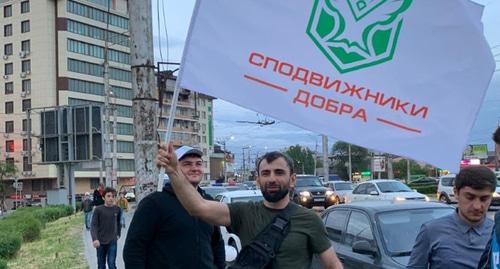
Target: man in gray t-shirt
106	229
458	240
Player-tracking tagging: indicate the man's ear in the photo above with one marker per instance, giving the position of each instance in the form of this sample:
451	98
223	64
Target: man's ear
293	179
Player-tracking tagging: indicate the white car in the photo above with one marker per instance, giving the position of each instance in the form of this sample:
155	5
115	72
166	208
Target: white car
445	192
384	189
340	189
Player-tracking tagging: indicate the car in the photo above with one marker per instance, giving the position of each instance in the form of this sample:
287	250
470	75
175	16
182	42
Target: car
309	192
445	187
377	234
130	196
215	190
239	196
384	189
424	181
251	185
340	189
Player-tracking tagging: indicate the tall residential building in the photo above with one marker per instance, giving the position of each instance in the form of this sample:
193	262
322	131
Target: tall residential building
52	54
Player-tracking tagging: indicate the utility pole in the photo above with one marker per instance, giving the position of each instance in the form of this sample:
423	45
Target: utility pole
145	100
390	171
244	170
350	163
408	173
115	156
326	170
107	135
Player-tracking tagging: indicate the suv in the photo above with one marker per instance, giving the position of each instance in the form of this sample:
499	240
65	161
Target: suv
309	192
445	189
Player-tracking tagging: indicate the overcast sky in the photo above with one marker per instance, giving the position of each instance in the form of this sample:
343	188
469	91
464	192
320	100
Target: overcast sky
281	135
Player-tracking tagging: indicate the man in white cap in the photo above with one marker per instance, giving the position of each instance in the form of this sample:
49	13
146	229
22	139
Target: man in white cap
87	206
162	234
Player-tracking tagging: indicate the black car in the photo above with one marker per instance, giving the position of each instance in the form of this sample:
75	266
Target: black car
377	234
309	192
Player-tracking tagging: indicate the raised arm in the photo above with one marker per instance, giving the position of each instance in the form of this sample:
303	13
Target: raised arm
210	211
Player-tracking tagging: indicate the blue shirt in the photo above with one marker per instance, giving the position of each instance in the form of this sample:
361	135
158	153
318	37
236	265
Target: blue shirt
449	242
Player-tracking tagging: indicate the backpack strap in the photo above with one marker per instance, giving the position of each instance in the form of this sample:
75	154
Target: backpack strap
261	252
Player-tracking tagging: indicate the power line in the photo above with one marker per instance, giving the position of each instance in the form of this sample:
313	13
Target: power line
158	27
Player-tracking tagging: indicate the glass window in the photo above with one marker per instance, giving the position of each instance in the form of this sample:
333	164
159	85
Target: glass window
7	11
125	129
25	45
10	161
370	187
393	186
9	87
126	165
94	183
342	186
26	165
9	126
7	30
360	189
26	87
96	14
358	228
448	181
9	69
25	26
97	33
25	144
36	185
25	125
125	147
25	6
9	145
9	107
7	49
26	66
26	104
335	224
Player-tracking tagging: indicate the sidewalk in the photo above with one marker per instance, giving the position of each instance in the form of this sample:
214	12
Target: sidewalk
90	251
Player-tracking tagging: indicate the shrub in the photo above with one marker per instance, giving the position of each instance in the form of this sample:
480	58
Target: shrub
29	228
425	189
3	264
10	243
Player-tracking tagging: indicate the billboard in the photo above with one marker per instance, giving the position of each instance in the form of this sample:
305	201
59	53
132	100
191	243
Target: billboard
479	151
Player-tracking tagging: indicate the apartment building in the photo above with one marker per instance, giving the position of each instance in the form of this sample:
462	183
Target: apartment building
52	54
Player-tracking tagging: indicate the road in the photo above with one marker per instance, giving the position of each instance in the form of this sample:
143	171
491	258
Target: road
90	251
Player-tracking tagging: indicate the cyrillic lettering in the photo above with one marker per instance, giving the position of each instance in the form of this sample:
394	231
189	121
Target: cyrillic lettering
299	72
345	109
374	96
424	110
271	60
401	106
383	102
332	106
316	79
353	90
283	71
299	94
256	56
321	99
336	83
361	113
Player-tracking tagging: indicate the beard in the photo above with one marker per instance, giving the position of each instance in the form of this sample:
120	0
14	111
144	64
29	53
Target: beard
274	196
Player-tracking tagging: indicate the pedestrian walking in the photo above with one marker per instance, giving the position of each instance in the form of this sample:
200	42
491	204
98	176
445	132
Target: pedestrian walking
459	239
275	232
87	206
99	195
162	234
106	230
123	204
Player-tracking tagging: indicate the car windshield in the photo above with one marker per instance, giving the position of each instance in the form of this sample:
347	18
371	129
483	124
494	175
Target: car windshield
343	186
393	186
247	199
308	181
400	228
447	181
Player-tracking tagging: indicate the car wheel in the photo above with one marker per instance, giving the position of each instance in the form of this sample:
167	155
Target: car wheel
444	199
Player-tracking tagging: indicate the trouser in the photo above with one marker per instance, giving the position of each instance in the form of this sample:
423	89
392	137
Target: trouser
88	219
106	251
122	219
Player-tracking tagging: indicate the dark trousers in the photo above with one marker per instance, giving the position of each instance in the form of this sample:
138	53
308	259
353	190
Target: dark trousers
109	251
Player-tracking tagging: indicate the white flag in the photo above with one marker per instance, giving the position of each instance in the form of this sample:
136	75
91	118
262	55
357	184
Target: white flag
400	76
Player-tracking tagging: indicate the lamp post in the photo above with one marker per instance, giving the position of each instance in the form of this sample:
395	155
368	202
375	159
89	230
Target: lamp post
223	142
244	172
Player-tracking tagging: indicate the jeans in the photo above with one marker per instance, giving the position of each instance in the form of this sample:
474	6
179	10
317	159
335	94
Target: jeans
108	251
122	219
88	219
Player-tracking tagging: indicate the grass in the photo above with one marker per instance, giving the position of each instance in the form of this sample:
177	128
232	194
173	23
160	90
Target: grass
60	247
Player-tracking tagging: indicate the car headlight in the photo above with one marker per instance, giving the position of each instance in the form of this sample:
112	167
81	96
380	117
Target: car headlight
496	194
329	193
399	199
427	199
305	194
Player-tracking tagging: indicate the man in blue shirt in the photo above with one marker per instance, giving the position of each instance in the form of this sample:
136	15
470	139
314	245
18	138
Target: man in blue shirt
459	239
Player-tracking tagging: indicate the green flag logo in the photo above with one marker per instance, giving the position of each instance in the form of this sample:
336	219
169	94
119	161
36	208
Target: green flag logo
355	34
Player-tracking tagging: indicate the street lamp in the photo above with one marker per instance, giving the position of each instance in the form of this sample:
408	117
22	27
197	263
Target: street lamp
223	141
244	172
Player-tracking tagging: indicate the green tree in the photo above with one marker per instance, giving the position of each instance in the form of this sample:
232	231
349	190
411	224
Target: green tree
303	159
6	170
360	160
400	169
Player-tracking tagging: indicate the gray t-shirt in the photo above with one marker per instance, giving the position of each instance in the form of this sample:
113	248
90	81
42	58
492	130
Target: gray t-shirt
106	225
449	242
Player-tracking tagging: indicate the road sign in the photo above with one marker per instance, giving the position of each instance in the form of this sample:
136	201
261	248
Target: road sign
18	185
379	164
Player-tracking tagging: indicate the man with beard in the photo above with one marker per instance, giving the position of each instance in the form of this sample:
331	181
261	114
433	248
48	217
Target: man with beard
459	239
275	176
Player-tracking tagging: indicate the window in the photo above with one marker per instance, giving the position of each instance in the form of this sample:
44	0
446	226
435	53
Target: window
26	85
26	104
25	6
25	26
9	146
204	139
26	66
94	183
97	33
25	125
96	14
358	228
126	165
9	69
26	145
26	165
7	11
97	51
9	87
7	30
335	223
9	126
360	189
125	147
7	49
10	161
125	129
25	45
9	107
370	187
203	115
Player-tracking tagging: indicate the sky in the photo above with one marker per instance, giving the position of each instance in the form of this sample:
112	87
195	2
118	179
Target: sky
174	19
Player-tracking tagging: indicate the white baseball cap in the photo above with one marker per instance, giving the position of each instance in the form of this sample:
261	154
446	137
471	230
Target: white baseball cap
187	150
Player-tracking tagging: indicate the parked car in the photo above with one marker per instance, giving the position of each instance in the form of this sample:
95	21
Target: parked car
309	192
215	190
340	190
130	196
251	185
384	189
239	196
377	234
445	192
